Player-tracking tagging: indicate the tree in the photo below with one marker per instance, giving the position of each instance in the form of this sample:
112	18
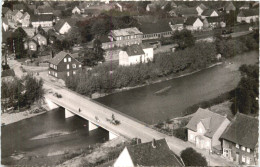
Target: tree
183	38
16	43
192	158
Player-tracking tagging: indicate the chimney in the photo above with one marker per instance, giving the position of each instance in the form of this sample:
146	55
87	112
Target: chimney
52	54
138	141
153	143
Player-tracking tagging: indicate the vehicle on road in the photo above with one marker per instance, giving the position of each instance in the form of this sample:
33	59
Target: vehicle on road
113	120
57	95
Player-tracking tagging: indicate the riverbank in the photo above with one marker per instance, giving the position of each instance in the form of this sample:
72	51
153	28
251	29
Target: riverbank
9	118
172	76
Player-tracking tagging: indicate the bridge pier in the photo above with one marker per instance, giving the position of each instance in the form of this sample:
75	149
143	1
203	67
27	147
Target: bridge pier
91	126
112	135
68	114
50	104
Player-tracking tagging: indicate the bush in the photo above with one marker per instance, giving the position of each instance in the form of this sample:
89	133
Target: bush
180	133
192	158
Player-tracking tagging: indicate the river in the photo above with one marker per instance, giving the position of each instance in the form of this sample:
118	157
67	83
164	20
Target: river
18	137
143	104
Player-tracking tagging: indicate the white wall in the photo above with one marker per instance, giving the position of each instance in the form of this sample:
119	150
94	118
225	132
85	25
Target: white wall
134	59
123	59
124	159
148	55
65	28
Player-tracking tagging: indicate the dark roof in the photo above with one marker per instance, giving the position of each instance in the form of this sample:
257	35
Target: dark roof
104	38
191	20
177	20
248	12
24	15
186	11
59	25
4	10
243	130
45	17
5	20
134	50
213	19
202	6
208	12
58	57
146	155
210	120
45	9
18	6
156	27
5	35
229	6
6	73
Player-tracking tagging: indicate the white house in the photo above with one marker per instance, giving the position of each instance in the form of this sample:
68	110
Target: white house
209	13
76	10
62	27
135	54
25	20
193	23
155	153
250	15
205	129
200	8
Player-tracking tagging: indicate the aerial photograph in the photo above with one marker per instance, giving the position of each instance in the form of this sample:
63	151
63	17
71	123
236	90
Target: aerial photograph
109	83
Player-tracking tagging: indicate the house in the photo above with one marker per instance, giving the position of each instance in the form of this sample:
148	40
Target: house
245	6
240	140
123	37
155	153
76	10
16	15
5	24
183	12
25	20
42	20
136	54
32	45
62	27
205	129
44	10
7	13
30	31
177	23
209	13
7	75
248	16
214	22
18	6
40	39
156	29
63	65
193	23
229	6
200	8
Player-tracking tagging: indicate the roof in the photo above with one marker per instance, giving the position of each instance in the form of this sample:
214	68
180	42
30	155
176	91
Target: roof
177	20
185	11
24	15
5	9
15	12
104	38
18	6
5	35
6	73
191	20
146	155
126	32
208	12
248	12
37	36
45	9
243	130
60	24
156	27
209	119
229	6
246	4
45	17
202	6
134	50
5	20
213	19
58	57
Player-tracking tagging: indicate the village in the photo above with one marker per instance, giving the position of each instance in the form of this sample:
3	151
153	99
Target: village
96	49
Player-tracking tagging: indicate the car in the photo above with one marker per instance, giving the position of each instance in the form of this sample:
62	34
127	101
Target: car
57	95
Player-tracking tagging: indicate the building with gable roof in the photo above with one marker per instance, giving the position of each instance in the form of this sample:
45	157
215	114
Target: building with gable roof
193	23
25	20
229	6
32	45
40	39
209	13
200	8
63	65
136	54
77	10
245	6
154	153
240	140
5	24
16	15
184	12
42	20
62	27
248	16
205	129
214	22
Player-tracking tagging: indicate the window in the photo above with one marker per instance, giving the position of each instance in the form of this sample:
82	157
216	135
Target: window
74	65
56	75
248	150
49	72
65	60
207	144
68	73
69	59
68	66
243	158
74	72
237	146
80	66
191	137
31	46
243	148
51	65
248	160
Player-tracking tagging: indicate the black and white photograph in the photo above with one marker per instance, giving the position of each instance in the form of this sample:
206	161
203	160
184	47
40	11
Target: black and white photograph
109	83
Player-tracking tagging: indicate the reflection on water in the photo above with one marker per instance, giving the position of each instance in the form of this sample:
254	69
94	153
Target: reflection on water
68	133
184	92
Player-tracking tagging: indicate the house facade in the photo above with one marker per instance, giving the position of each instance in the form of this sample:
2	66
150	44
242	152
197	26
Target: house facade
213	22
5	24
31	44
63	65
42	20
205	129
25	20
240	140
193	23
135	54
123	37
62	27
248	16
40	39
155	153
16	15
